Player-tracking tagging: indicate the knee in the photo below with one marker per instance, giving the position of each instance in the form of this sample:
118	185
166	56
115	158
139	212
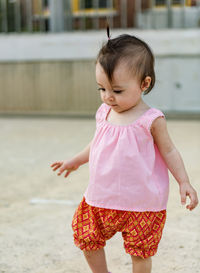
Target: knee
138	260
141	265
88	253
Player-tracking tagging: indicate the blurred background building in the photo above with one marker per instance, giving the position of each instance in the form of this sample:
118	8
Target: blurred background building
48	48
67	15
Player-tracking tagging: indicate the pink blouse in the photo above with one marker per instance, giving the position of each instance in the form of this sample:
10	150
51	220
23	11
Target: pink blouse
127	171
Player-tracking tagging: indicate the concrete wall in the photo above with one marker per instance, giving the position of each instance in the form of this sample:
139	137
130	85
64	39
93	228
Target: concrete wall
48	87
54	73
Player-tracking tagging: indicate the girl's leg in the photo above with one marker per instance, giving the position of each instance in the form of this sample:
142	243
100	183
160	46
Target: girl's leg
141	265
96	260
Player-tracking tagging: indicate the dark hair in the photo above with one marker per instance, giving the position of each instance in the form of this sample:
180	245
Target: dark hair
131	50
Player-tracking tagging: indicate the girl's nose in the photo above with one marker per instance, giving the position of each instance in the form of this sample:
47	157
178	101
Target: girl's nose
109	96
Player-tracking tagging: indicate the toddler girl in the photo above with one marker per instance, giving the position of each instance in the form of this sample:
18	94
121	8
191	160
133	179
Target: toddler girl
129	158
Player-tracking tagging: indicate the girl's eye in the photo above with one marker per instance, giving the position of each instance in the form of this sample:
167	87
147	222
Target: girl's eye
115	91
101	89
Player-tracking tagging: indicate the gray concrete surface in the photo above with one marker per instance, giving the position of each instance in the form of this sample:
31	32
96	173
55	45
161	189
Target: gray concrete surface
37	238
85	45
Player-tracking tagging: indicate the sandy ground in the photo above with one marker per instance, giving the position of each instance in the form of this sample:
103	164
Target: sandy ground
37	237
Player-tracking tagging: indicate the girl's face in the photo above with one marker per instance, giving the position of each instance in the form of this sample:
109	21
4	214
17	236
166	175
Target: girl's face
123	93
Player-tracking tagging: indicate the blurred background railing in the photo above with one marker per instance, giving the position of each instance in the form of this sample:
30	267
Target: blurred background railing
69	15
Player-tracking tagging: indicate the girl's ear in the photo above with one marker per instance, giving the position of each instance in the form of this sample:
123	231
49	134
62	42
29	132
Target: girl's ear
146	83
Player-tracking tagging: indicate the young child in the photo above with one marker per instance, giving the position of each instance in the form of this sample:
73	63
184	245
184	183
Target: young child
129	158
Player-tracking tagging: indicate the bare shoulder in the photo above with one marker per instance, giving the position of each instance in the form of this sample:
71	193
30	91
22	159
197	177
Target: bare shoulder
161	136
159	124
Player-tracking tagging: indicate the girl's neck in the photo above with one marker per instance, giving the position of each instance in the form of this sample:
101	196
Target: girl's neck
140	107
129	116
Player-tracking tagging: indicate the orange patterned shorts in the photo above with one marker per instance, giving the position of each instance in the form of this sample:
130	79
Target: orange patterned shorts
141	231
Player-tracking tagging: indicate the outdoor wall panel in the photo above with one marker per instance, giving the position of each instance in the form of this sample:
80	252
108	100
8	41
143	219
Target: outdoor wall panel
48	87
56	73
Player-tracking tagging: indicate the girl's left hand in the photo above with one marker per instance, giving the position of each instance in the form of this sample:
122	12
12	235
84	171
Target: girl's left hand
187	190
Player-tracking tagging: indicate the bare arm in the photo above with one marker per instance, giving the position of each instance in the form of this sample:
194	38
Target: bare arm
73	164
83	156
173	161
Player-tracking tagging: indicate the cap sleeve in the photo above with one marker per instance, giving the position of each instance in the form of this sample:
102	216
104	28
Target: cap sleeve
152	115
101	113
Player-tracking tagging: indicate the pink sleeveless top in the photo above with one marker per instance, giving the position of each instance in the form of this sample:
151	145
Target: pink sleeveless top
127	171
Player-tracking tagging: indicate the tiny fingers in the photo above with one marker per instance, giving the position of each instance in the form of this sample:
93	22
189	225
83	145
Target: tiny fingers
183	201
54	169
190	206
194	201
67	173
55	163
60	171
183	198
62	166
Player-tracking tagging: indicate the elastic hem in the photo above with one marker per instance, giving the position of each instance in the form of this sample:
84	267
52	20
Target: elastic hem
89	246
141	253
103	206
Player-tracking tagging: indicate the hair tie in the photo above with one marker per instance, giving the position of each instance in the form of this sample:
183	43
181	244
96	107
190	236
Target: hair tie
108	31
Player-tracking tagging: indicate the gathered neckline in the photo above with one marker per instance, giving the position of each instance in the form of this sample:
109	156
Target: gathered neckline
125	125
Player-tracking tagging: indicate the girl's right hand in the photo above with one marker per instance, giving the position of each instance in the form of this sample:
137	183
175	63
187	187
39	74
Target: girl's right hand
66	165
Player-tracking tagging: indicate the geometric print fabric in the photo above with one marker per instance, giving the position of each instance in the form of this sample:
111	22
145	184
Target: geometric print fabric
141	231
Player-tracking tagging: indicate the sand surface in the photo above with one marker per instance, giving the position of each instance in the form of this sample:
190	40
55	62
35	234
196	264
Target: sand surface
36	206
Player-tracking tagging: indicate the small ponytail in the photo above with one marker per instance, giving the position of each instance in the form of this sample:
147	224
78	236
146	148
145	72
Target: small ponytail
108	31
